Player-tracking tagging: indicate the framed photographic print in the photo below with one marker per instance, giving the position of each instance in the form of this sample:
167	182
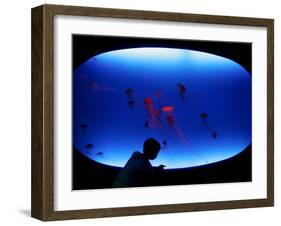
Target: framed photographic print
141	112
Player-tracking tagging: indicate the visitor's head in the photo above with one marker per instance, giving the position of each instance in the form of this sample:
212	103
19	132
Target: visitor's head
151	148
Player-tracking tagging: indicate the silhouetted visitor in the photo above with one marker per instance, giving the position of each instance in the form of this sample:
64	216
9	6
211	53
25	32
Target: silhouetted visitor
138	171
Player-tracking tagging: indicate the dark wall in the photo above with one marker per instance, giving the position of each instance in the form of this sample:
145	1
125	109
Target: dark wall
86	46
88	174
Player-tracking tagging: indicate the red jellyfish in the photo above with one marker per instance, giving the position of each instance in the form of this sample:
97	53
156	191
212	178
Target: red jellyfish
159	95
148	104
182	90
169	112
168	109
204	118
153	114
170	119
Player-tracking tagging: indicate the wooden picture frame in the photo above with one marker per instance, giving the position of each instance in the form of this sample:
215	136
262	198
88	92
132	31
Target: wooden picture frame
43	112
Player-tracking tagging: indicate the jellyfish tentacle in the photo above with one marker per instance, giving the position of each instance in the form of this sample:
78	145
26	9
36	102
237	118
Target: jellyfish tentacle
204	117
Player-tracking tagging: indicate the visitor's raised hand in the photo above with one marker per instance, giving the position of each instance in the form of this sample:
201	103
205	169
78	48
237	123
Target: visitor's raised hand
160	167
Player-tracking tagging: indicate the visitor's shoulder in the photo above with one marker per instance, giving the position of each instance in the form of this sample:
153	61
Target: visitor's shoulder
137	154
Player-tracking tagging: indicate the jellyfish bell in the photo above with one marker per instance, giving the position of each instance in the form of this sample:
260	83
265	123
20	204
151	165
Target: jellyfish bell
89	147
168	109
204	120
170	119
181	87
100	154
148	100
84	127
148	104
131	103
129	92
203	116
214	135
146	124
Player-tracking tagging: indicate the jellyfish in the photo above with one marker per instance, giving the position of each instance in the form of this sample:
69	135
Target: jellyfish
177	130
170	120
182	90
100	153
131	103
146	124
83	75
129	93
181	136
84	127
214	135
164	143
204	117
100	87
168	109
159	95
148	103
153	114
89	147
149	106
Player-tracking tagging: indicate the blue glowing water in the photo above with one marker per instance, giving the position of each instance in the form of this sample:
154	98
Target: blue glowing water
214	85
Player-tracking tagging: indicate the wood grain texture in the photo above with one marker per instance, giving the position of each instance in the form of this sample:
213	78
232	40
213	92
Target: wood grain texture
43	108
42	113
37	158
157	209
155	15
270	111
